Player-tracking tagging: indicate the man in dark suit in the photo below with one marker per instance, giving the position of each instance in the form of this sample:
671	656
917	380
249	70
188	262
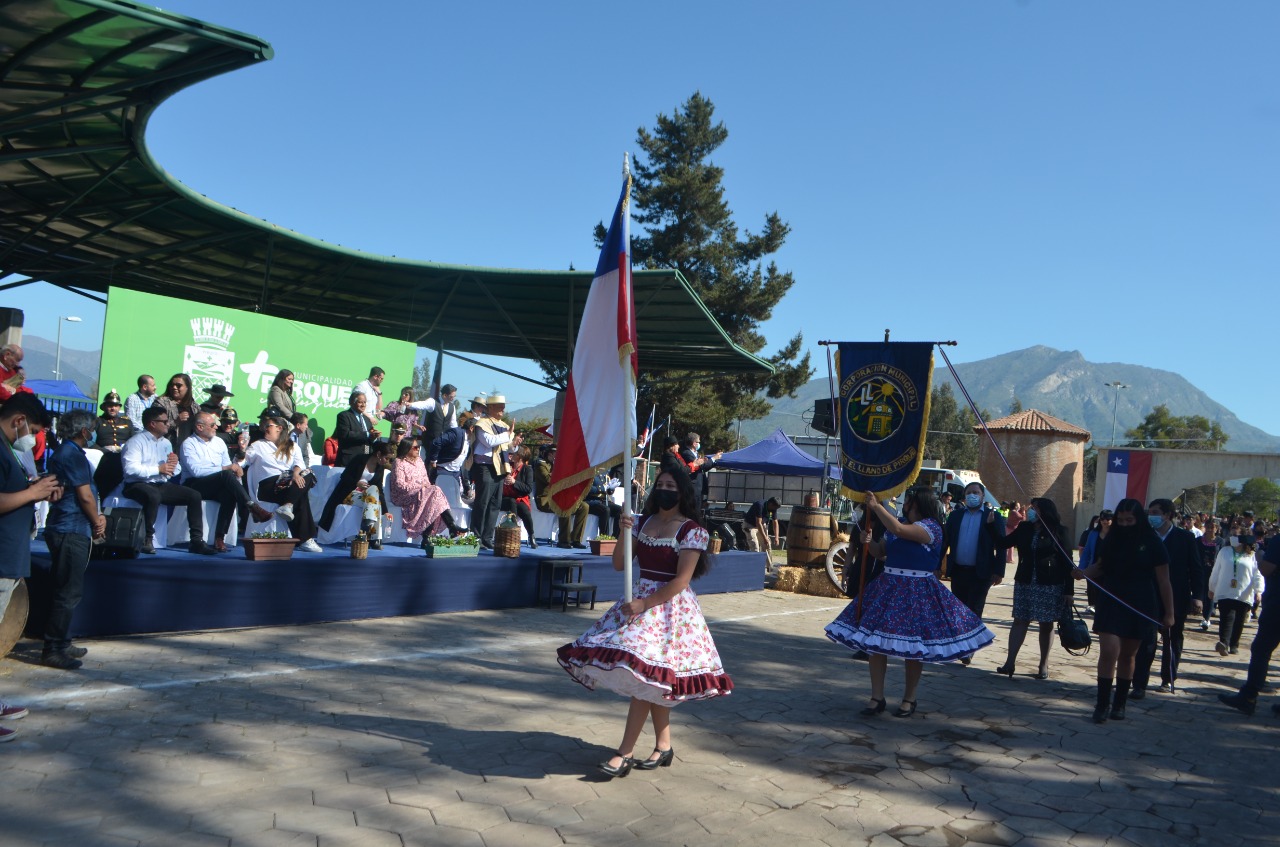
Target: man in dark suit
355	430
974	564
1186	578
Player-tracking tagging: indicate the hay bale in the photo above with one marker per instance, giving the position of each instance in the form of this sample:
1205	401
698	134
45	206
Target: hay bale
810	581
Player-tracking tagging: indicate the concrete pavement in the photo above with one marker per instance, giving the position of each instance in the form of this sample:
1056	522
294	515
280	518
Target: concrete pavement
461	729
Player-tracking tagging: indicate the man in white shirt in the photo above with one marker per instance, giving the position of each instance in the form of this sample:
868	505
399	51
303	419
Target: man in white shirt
207	468
371	389
139	401
150	466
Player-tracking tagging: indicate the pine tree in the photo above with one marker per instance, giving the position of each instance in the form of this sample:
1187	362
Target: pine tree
678	198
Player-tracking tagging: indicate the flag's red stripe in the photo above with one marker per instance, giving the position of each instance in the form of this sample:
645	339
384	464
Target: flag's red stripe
571	450
1139	476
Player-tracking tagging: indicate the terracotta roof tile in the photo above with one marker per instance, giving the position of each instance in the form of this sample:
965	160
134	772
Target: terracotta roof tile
1032	420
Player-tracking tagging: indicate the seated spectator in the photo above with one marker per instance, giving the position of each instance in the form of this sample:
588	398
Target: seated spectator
448	453
566	538
280	397
424	510
356	431
517	486
11	373
207	468
301	436
74	522
179	407
112	428
600	503
111	431
233	435
362	484
397	436
284	480
150	470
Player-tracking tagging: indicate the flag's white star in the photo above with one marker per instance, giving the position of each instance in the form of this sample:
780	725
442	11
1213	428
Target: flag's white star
1116	461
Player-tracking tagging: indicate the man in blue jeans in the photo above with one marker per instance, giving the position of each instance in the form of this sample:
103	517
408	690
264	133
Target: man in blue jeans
74	521
1265	640
22	418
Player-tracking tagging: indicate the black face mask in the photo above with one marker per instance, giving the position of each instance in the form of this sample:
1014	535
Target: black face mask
665	498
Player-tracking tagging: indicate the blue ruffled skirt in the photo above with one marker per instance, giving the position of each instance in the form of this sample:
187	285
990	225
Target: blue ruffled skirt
913	617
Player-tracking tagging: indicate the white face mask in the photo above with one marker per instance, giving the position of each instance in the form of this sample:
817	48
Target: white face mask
25	443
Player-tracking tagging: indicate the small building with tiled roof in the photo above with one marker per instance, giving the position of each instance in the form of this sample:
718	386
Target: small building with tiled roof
1045	452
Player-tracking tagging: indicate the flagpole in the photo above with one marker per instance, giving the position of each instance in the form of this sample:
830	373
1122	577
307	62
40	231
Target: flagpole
628	404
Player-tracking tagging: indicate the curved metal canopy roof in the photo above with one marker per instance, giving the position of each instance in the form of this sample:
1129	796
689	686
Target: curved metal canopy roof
84	206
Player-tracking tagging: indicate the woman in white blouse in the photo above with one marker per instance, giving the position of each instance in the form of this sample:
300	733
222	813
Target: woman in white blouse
276	473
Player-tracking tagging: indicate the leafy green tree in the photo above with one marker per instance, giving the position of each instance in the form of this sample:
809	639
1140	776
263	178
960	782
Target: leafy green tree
1015	406
1161	428
950	437
1260	496
678	199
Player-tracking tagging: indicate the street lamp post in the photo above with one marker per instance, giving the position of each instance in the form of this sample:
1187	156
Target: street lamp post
57	367
1114	406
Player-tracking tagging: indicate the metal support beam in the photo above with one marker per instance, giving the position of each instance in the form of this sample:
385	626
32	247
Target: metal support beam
65	207
514	327
442	311
501	371
266	272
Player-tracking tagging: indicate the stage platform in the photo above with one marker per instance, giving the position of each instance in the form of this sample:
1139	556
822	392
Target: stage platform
175	591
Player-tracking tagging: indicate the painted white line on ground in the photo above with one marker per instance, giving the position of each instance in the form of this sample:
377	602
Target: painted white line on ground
71	695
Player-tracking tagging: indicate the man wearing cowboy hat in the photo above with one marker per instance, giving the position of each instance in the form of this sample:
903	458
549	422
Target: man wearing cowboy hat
217	400
113	428
488	466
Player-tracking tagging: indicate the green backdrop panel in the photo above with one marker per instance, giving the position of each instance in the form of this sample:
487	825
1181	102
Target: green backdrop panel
161	336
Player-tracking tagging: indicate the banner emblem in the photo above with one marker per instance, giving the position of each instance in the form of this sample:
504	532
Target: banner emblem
884	405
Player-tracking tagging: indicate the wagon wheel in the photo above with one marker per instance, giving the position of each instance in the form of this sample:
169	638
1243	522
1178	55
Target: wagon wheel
837	561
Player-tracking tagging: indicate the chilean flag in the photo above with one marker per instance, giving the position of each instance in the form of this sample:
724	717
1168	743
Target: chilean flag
598	426
1128	472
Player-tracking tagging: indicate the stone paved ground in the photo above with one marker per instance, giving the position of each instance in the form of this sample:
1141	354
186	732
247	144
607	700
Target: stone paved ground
460	729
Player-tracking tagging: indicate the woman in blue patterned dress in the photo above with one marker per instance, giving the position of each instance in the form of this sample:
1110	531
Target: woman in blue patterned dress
655	649
907	612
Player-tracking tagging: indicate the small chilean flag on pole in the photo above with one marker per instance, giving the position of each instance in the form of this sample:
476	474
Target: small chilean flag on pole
598	425
1128	472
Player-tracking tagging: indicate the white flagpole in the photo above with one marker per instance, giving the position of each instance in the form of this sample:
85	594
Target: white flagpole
629	417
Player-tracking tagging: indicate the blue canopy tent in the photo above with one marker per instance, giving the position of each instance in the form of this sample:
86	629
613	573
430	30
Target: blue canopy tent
776	454
60	395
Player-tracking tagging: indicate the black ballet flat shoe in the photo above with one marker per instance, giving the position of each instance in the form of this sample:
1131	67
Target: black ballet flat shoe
533	544
906	713
620	771
1042	674
663	761
1100	714
871	711
1007	670
1117	713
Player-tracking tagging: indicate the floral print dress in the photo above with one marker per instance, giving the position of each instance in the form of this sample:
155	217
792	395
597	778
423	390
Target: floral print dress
664	656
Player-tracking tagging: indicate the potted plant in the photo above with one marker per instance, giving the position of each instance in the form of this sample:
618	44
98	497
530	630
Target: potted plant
443	547
263	546
602	545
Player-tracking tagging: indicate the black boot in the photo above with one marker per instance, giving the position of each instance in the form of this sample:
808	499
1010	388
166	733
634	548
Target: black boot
1104	701
449	524
1122	694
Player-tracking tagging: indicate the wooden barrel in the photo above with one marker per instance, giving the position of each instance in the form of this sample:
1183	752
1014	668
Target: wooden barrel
808	537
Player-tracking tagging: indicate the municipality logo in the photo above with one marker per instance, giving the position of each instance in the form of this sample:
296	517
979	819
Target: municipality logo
208	358
881	397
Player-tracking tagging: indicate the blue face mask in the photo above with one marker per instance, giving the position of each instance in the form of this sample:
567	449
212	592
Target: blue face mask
1032	516
973	501
1156	521
92	441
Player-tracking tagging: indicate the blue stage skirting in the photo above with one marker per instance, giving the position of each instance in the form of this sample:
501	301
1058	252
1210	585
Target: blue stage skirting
175	591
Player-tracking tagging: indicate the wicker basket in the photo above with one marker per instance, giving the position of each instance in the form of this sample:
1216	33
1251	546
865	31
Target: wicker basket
506	542
360	547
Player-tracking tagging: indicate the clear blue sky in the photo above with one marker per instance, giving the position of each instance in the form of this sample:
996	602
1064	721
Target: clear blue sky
1095	176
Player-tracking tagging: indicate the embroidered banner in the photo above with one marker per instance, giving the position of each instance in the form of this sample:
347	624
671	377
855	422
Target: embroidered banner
883	413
